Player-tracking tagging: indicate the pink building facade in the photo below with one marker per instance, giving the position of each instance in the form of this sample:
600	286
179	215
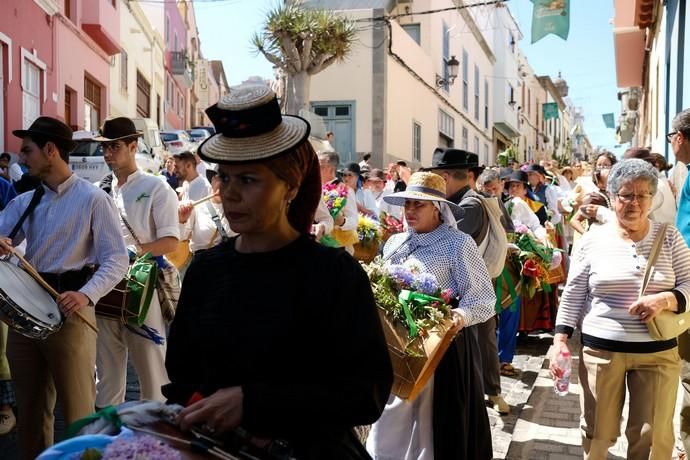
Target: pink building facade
54	60
28	74
178	70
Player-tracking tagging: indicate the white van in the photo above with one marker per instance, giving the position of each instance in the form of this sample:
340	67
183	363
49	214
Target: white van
152	136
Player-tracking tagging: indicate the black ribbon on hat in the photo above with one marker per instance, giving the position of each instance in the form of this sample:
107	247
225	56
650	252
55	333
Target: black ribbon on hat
248	122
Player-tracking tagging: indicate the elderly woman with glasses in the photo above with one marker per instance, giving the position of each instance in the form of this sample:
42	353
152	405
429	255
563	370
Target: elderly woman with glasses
601	298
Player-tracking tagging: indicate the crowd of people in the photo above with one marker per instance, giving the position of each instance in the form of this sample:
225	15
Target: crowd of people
278	333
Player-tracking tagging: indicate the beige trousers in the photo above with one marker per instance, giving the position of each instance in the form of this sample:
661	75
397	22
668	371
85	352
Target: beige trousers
62	366
651	379
115	344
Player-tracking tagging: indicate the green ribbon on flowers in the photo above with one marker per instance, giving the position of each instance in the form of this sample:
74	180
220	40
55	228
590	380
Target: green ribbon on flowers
525	243
328	240
406	298
499	290
109	413
546	287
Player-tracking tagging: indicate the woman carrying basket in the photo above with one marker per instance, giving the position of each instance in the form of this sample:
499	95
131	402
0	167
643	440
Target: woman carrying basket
275	334
448	419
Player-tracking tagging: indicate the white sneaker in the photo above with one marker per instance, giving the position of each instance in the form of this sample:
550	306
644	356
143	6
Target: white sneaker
499	404
7	421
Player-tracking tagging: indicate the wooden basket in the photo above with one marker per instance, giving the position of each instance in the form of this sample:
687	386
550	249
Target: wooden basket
411	373
366	252
555	276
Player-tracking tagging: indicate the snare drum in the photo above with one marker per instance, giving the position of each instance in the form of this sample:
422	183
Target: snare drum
25	306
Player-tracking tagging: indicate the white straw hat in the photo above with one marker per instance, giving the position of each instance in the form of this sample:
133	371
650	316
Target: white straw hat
250	127
424	186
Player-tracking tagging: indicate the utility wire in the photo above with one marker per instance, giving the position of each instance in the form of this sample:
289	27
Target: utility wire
440	10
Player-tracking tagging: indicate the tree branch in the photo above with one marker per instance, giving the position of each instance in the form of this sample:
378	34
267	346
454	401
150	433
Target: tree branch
320	64
292	56
307	42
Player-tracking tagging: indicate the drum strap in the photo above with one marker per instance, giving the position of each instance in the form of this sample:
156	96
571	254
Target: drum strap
35	198
217	221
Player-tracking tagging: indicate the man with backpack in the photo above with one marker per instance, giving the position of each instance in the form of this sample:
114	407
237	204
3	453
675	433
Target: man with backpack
480	218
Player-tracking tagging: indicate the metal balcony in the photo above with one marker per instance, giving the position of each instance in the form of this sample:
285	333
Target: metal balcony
181	68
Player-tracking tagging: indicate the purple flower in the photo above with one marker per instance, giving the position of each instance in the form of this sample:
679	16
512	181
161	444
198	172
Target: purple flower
400	274
425	283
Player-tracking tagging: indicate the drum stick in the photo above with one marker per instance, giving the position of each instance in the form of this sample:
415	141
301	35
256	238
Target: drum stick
206	198
32	271
215	451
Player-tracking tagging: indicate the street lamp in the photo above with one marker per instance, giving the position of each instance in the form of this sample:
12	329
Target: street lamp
452	65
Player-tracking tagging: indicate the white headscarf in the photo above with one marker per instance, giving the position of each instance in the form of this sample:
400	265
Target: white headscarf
446	213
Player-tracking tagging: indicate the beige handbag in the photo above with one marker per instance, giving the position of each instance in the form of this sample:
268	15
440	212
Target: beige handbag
666	325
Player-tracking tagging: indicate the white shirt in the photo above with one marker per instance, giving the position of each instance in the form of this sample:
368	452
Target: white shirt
663	203
323	216
678	175
196	189
73	227
149	205
366	198
382	206
16	172
520	213
201	230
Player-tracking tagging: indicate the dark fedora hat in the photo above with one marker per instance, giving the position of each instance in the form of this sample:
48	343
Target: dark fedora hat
117	129
535	168
518	176
51	129
453	159
505	172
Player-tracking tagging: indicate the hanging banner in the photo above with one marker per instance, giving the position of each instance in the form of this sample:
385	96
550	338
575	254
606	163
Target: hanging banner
550	110
550	17
609	120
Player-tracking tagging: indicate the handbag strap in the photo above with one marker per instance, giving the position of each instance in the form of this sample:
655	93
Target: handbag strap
653	256
35	198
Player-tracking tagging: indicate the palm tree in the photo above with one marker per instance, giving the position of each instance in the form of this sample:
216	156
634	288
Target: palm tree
303	42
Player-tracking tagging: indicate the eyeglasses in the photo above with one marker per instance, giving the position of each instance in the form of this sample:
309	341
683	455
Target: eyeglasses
630	197
112	146
669	136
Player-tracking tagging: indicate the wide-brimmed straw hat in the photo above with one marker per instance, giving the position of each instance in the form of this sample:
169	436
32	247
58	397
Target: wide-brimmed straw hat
117	129
250	127
423	186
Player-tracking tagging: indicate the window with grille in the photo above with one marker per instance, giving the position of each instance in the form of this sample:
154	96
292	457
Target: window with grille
465	79
486	104
143	96
68	106
476	146
414	31
476	93
446	124
465	139
31	93
123	70
92	104
416	141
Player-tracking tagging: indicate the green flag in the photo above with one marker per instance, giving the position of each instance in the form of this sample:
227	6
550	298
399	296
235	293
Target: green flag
550	17
550	110
608	120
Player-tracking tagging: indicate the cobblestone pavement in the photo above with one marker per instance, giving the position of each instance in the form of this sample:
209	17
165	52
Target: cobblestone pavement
543	425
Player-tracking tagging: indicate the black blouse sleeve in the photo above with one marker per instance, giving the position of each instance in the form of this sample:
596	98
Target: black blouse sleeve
351	388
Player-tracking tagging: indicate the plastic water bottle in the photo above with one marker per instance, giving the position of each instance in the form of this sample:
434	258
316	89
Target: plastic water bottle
564	364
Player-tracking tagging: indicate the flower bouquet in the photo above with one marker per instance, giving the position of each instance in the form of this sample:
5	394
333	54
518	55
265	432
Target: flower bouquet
534	261
369	234
417	322
390	225
335	197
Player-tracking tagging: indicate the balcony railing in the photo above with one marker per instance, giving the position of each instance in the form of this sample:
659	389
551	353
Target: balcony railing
181	68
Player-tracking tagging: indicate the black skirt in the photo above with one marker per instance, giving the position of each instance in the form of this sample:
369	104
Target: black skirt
461	423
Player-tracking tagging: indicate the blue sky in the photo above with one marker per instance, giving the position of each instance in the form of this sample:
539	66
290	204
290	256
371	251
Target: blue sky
586	60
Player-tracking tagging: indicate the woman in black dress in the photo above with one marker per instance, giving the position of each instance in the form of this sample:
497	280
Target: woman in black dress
275	334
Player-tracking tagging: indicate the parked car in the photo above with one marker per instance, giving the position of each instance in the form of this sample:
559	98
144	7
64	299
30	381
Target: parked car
178	141
87	161
199	135
210	129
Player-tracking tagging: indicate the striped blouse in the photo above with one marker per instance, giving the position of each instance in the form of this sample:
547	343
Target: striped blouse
604	280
